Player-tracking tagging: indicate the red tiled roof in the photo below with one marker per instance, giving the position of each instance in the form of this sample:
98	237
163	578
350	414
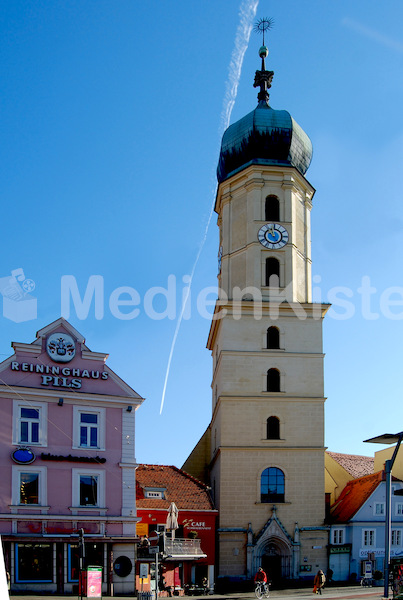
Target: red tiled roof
357	466
356	492
187	492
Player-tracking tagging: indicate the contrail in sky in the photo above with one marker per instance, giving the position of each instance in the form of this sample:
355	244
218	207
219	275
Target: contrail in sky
373	34
247	13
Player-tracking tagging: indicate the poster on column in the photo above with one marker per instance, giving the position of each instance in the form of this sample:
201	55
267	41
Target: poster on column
3	576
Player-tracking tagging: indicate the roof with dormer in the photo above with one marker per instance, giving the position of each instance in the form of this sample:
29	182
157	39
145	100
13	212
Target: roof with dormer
186	491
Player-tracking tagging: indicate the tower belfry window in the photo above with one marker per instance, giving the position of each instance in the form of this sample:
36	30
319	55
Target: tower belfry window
273	428
273	338
272	209
272	272
273	380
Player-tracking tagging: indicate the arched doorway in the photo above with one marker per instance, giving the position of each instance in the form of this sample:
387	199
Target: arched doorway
276	561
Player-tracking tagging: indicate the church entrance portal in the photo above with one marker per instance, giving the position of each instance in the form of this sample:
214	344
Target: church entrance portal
276	562
272	566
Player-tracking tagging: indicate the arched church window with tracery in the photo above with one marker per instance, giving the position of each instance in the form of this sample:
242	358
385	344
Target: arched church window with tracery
273	428
272	272
272	485
272	208
273	380
273	338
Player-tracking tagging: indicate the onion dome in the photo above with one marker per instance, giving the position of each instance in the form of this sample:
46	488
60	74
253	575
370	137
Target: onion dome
265	136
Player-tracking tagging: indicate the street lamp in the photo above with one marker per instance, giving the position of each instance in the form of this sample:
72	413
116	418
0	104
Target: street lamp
388	438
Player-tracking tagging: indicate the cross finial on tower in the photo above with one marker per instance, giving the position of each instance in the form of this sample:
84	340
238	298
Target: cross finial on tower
263	78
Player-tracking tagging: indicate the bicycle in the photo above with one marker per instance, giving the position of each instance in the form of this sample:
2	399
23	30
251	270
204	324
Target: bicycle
366	581
262	589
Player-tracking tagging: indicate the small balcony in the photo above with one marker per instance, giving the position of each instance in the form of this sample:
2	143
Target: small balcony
182	549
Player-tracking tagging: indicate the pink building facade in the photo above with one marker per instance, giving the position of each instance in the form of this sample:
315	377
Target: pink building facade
67	462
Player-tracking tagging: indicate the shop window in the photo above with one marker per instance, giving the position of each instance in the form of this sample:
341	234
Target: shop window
88	488
29	485
272	209
273	380
94	555
88	428
29	423
34	563
272	485
73	563
273	428
272	272
273	338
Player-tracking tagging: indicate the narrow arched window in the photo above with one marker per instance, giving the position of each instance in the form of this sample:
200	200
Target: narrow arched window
273	338
273	380
273	428
272	485
272	209
272	272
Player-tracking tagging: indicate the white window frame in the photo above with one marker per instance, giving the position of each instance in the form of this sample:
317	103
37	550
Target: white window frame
16	481
372	534
396	537
43	419
100	412
337	536
76	473
399	508
379	509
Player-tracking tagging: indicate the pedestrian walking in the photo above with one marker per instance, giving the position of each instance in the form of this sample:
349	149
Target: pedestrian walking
319	582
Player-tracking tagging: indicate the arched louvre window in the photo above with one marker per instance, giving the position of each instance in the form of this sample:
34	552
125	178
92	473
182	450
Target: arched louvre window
273	380
272	485
272	209
273	428
272	272
273	338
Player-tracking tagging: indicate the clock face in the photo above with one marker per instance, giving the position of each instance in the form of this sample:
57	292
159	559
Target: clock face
273	236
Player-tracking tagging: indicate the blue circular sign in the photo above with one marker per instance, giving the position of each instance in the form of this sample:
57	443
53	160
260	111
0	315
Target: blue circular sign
23	456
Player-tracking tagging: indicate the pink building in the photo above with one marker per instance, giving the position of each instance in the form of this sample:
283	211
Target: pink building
67	462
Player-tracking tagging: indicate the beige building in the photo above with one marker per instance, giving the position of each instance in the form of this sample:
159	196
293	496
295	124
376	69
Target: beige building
263	451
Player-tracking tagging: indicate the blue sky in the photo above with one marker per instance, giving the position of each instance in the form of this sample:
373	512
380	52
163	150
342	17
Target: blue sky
111	123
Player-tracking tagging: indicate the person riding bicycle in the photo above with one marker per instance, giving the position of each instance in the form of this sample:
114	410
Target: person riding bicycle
260	576
261	579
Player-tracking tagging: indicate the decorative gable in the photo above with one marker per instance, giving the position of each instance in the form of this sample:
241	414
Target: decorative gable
59	361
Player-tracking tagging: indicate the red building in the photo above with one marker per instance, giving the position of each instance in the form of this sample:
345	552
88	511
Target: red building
188	556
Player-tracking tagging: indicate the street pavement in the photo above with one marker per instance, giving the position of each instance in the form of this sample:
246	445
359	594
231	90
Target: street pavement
332	593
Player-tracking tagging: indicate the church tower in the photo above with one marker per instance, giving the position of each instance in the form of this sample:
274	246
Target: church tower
265	450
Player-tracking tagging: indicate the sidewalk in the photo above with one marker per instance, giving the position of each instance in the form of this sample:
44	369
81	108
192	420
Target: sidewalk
331	593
